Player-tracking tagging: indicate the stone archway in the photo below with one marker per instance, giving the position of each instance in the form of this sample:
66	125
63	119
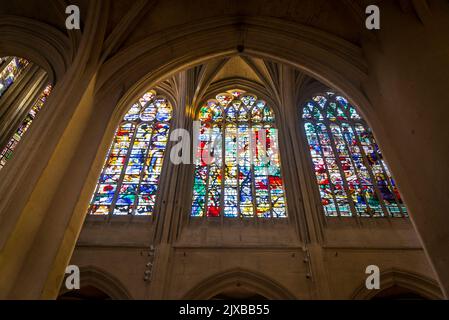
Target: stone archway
37	42
398	293
85	293
238	284
330	59
96	284
402	284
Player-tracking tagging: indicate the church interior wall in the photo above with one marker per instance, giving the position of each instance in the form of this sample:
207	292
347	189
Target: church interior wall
398	79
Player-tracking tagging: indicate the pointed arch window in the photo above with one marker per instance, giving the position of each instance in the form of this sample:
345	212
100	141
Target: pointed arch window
352	176
18	122
7	152
129	180
243	175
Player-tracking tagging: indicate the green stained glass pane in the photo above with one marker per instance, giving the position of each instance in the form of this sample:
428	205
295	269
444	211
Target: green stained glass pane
135	160
351	174
248	180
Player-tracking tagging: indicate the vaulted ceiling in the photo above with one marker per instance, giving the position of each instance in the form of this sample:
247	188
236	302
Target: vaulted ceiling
128	22
340	17
258	76
141	18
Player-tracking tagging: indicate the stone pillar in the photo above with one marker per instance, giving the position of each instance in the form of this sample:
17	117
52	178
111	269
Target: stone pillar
301	201
37	234
174	194
409	65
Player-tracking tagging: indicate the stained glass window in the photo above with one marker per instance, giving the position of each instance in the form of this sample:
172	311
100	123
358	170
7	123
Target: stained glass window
351	173
7	152
10	69
237	167
129	181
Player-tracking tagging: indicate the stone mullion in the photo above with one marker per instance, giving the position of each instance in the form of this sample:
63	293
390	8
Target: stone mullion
206	199
370	170
17	87
388	178
352	162
5	63
252	168
145	166
34	83
342	172
18	101
125	166
268	179
223	164
18	77
239	215
331	185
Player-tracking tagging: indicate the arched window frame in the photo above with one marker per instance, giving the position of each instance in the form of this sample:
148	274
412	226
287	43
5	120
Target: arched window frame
143	103
351	119
7	152
24	92
222	126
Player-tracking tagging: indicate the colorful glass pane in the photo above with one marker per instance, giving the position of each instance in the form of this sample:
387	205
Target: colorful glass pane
351	174
224	99
244	177
129	181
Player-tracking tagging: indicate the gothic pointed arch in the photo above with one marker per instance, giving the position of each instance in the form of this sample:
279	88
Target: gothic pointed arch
239	279
128	183
237	163
326	57
101	282
351	174
38	42
412	282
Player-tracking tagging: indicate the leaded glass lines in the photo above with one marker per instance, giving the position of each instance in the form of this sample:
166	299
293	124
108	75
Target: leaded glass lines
237	168
129	181
352	176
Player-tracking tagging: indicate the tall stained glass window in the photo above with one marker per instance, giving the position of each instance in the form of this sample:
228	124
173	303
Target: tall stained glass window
10	69
237	166
129	181
352	175
7	152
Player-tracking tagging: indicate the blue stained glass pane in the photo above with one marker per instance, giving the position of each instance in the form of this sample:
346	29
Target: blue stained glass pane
248	180
351	175
135	160
133	113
